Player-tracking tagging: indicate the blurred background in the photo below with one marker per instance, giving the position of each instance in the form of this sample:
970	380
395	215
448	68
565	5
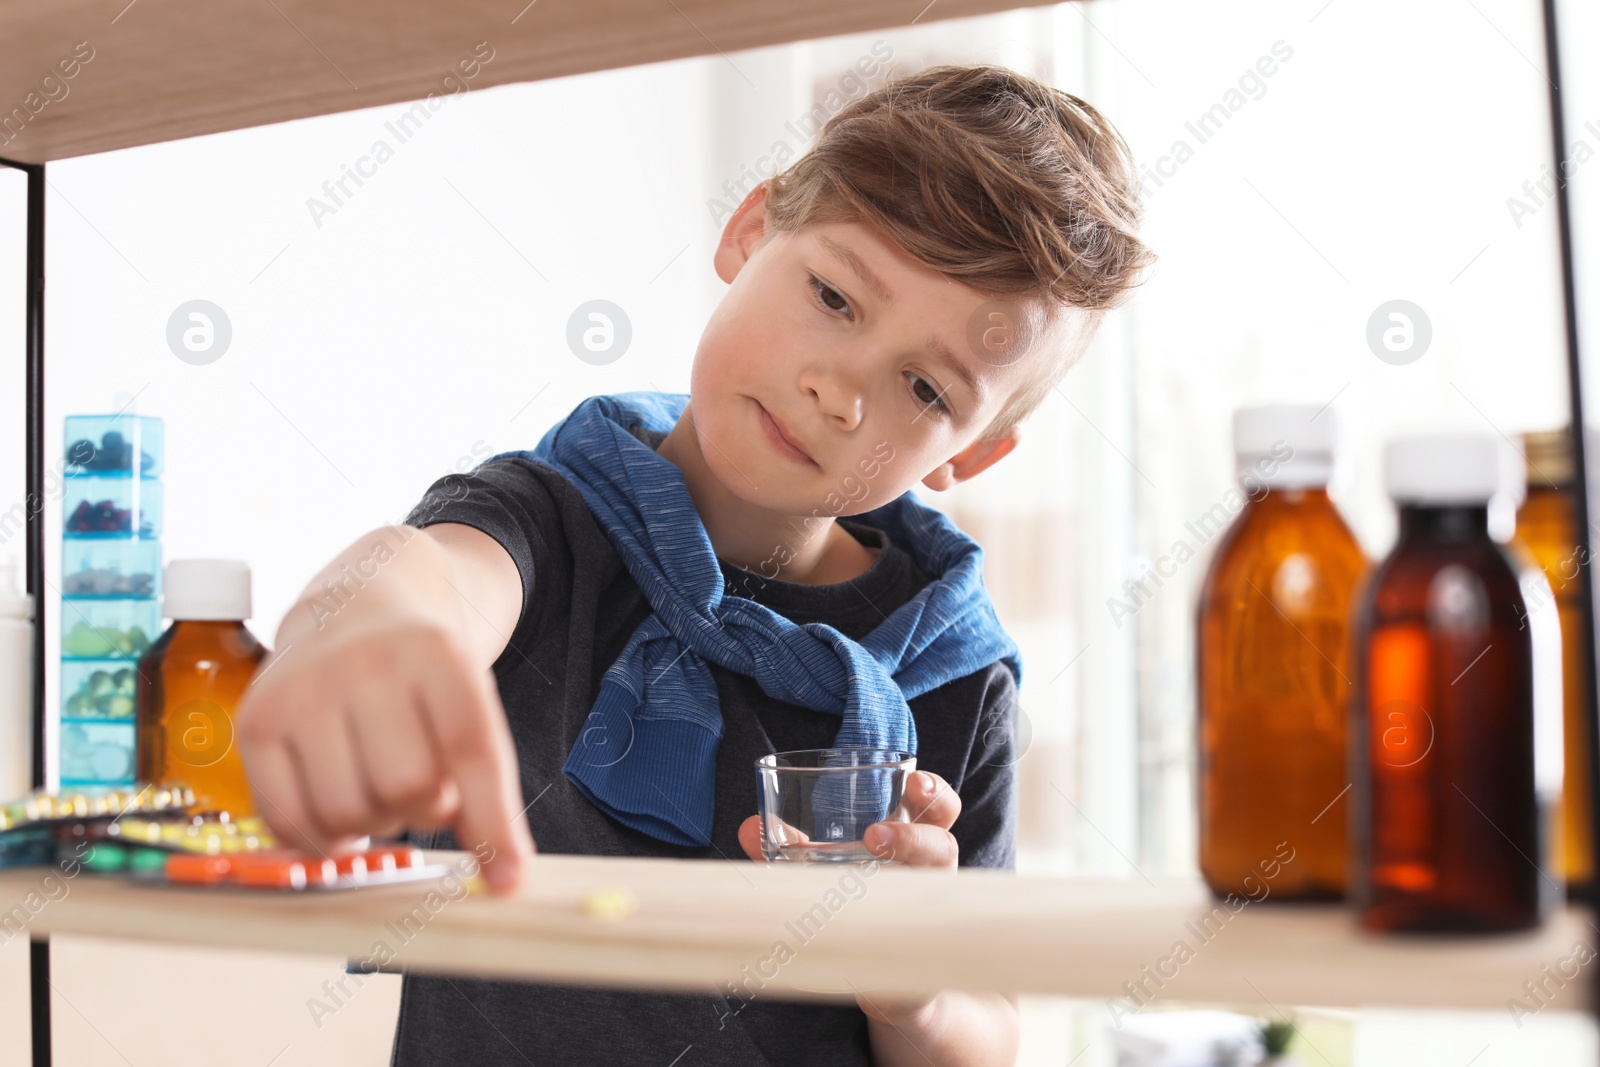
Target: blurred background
1396	152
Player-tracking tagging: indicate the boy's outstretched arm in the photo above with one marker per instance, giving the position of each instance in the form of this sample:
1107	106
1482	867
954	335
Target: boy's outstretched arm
377	709
952	1028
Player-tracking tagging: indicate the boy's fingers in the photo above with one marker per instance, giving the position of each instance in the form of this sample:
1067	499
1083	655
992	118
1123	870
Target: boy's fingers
399	770
275	783
914	844
930	800
338	806
750	838
475	747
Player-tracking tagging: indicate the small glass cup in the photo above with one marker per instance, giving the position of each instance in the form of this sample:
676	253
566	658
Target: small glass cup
817	803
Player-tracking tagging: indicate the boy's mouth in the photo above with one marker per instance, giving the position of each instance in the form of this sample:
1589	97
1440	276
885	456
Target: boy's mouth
782	442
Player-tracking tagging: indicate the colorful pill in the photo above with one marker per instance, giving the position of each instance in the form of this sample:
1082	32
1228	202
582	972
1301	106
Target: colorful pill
198	870
393	858
283	870
146	830
611	903
106	856
147	862
351	866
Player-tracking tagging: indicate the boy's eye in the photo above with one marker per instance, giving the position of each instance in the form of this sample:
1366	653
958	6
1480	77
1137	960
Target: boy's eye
821	291
923	391
936	400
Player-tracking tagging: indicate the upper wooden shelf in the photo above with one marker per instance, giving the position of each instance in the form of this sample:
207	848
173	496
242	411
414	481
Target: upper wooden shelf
165	69
703	923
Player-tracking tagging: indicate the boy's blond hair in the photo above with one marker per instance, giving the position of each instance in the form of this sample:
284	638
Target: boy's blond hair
995	179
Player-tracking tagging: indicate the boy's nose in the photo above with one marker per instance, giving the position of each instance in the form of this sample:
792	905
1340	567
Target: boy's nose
838	397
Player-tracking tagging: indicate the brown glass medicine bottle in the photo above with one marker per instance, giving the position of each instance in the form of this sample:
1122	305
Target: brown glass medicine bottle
1273	667
191	680
1547	528
1456	743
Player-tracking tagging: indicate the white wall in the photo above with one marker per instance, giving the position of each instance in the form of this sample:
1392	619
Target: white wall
427	314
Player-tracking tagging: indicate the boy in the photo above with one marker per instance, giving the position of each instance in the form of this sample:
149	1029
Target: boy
593	641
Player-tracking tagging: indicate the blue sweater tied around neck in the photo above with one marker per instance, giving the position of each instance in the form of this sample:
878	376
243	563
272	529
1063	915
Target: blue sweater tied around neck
647	754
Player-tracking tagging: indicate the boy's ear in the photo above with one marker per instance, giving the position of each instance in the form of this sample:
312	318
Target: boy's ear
972	460
746	227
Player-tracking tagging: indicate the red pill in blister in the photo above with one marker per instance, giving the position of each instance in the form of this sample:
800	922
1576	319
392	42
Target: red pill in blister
283	870
352	867
406	857
196	869
393	858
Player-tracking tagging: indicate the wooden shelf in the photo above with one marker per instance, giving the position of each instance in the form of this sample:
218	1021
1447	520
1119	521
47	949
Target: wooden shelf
165	69
899	930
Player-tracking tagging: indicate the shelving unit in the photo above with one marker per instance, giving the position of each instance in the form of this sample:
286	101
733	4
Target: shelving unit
901	930
697	922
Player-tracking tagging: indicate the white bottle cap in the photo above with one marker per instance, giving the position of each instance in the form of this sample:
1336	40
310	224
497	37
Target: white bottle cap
1453	468
203	589
14	603
1285	446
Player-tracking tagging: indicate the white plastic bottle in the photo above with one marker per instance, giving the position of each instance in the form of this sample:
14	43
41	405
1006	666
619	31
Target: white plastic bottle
16	684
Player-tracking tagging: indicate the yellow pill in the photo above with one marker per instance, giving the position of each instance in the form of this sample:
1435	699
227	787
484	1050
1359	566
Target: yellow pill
137	829
610	903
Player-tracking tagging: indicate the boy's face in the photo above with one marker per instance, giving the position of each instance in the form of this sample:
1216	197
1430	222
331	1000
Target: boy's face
848	368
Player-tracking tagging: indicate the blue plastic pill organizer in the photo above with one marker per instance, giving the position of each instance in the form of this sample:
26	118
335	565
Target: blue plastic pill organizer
110	590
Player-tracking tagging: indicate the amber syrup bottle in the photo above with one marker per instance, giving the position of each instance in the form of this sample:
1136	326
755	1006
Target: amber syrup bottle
1456	729
191	680
1273	667
1547	529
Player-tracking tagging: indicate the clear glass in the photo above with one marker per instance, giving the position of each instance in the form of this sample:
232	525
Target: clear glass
817	803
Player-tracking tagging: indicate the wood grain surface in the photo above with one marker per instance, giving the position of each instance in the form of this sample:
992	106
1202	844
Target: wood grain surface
826	932
165	69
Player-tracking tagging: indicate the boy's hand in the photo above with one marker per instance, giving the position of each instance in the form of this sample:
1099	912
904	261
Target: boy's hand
925	841
377	724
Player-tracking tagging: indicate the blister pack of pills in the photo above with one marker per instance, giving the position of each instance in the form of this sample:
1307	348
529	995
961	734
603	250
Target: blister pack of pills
151	834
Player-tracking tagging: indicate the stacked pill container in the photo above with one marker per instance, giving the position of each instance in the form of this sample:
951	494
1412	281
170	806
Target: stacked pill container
110	590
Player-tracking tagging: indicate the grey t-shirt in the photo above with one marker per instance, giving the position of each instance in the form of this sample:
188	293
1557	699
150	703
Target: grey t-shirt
580	606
